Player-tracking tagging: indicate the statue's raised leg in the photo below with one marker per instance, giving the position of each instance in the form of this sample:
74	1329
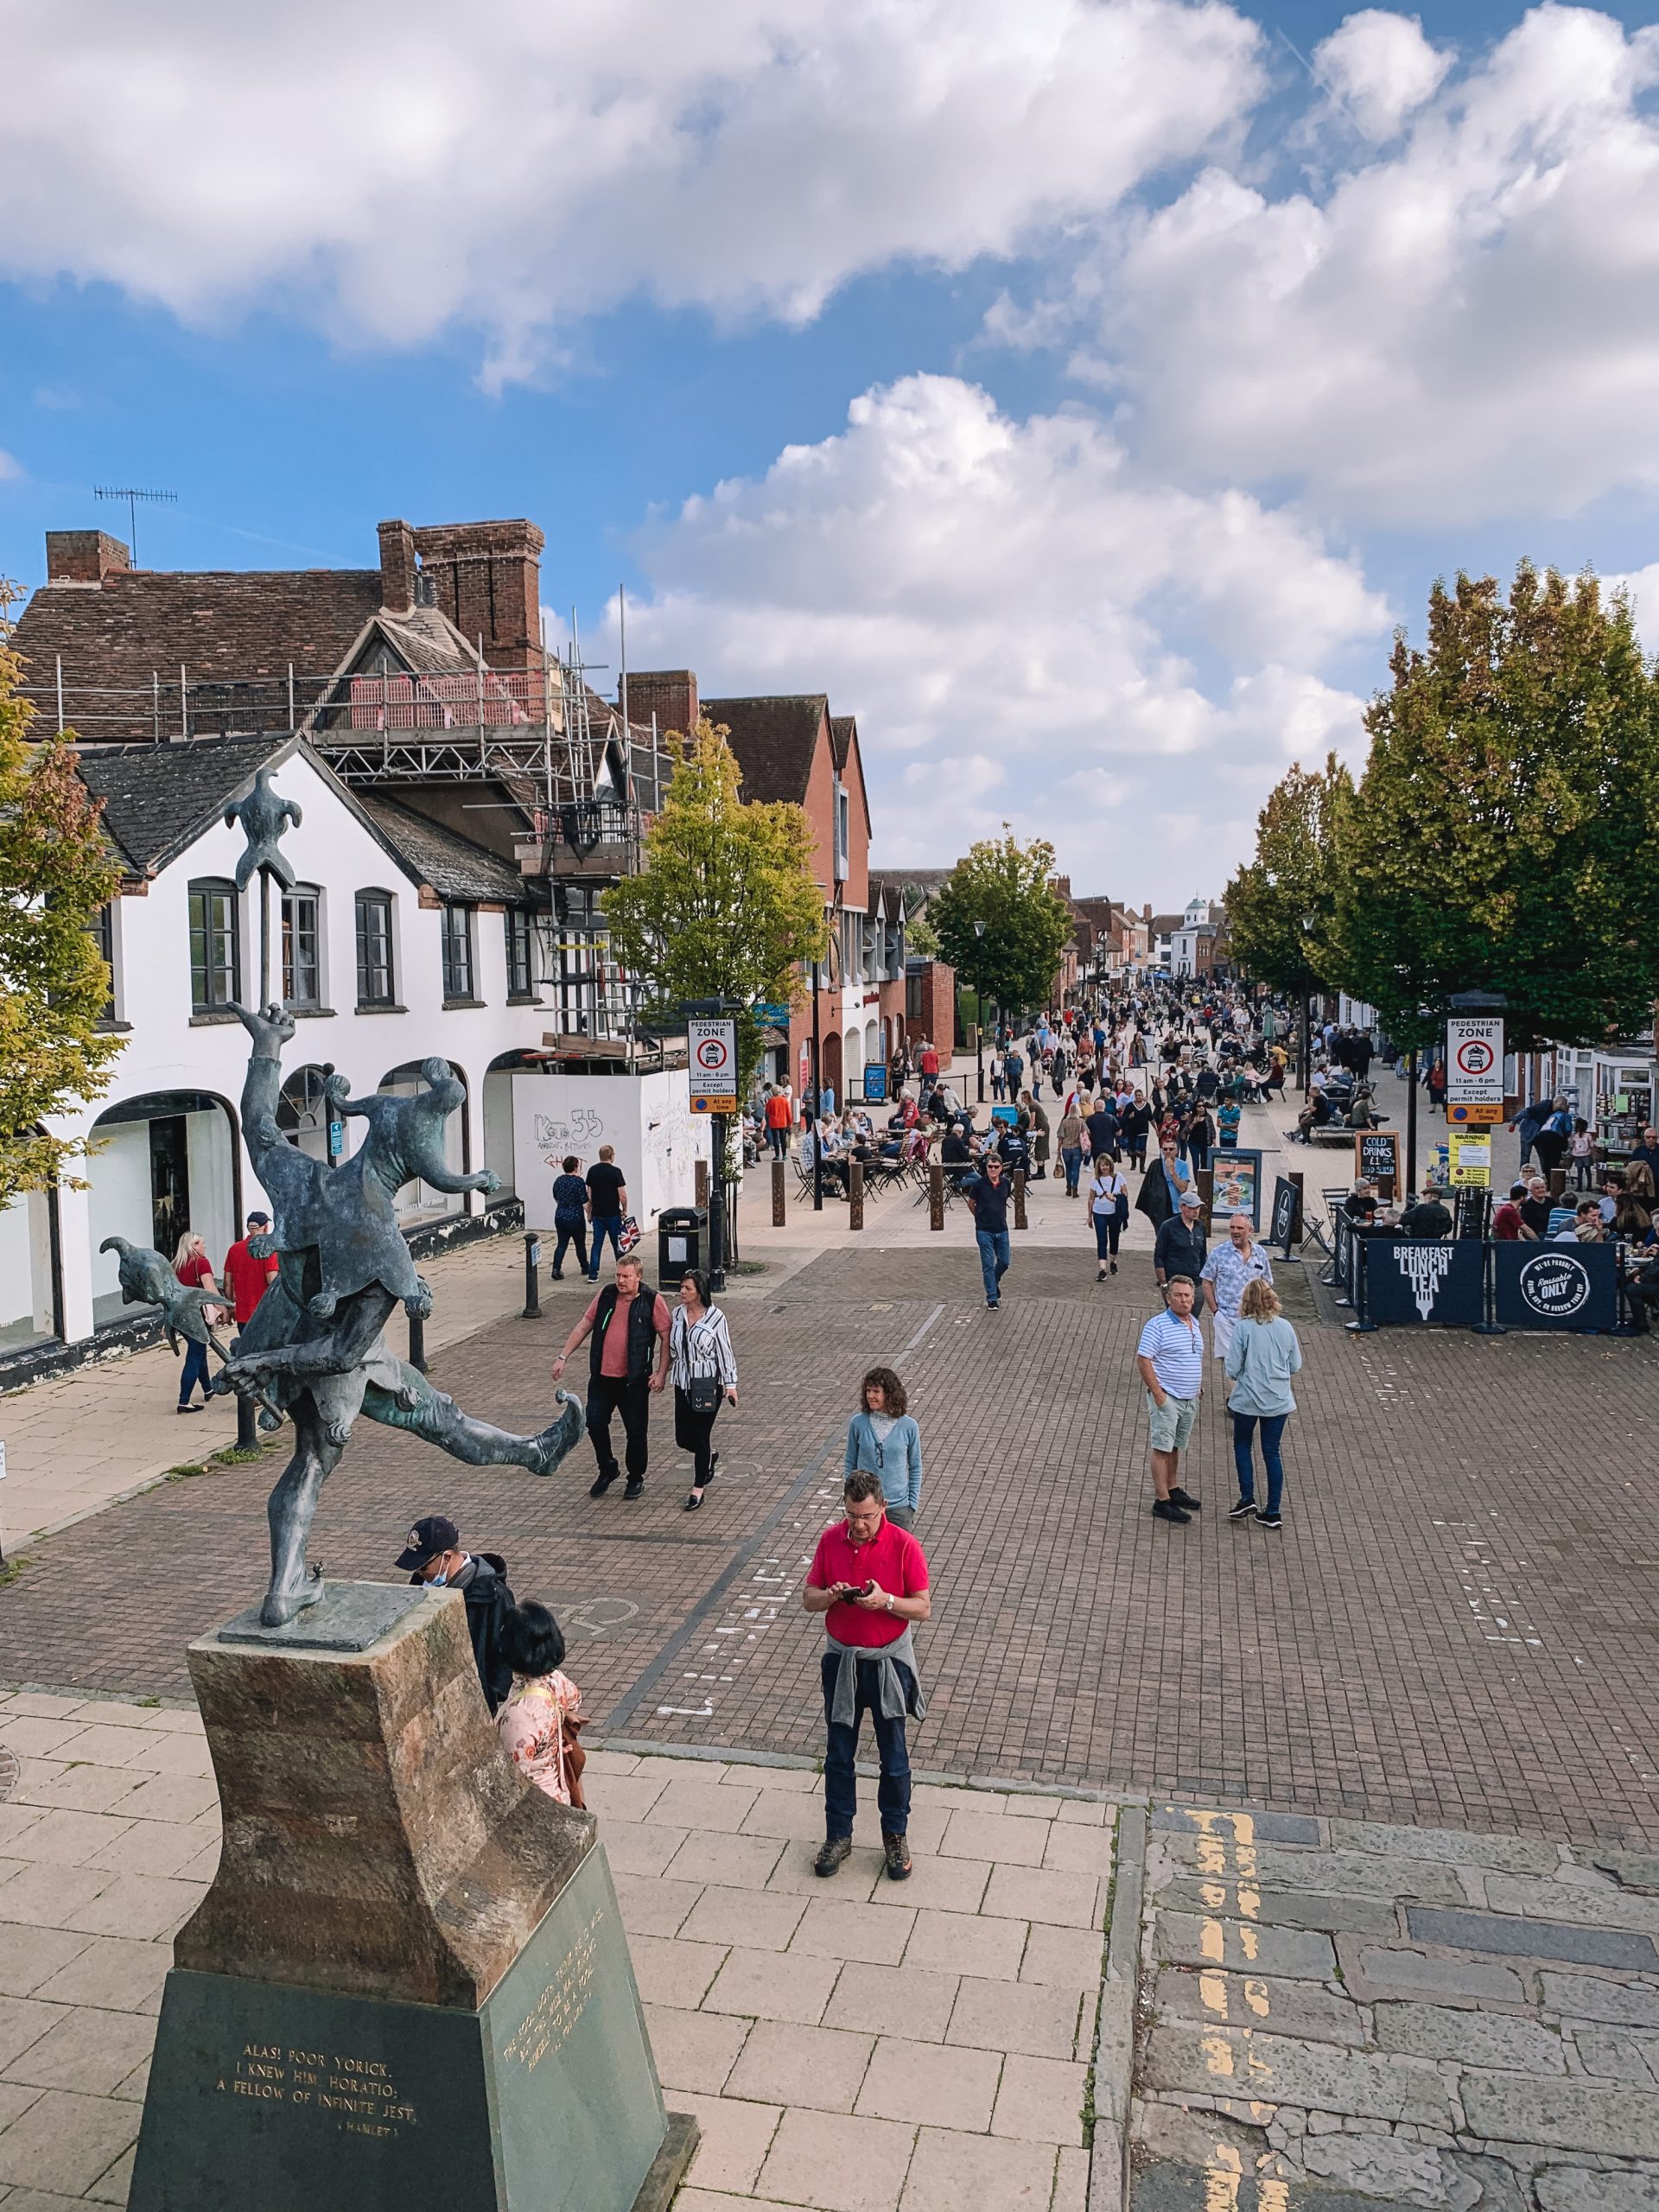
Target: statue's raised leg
416	1406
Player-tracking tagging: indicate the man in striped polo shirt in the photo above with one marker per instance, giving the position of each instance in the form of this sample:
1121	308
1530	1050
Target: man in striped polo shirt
1170	1356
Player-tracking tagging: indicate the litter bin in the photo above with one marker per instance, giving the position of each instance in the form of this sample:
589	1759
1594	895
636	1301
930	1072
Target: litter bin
682	1243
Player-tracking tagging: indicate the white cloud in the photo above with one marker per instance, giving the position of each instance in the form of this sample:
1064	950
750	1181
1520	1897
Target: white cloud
1643	587
1381	69
1016	619
391	165
1460	328
10	464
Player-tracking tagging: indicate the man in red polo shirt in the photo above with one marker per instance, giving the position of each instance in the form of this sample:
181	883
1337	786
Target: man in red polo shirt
868	1578
246	1278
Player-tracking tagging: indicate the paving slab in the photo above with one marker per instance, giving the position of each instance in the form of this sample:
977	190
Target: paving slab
1513	1937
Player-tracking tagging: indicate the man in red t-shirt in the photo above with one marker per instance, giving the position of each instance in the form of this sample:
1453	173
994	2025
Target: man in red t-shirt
246	1278
868	1578
930	1059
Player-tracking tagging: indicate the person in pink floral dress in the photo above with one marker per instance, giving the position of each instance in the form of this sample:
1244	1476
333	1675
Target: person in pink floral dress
541	1715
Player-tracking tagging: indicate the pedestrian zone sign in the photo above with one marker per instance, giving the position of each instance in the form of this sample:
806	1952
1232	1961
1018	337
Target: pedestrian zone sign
713	1065
1474	1060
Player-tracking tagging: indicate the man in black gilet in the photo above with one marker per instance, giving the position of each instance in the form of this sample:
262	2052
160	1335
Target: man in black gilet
624	1324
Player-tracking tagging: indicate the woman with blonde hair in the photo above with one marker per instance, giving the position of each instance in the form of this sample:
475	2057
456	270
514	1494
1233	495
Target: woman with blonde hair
194	1269
1263	1357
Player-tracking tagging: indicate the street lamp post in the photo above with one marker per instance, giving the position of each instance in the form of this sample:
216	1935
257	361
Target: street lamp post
979	1009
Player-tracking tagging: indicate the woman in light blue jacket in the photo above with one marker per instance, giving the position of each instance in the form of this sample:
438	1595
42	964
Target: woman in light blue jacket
882	1437
1263	1357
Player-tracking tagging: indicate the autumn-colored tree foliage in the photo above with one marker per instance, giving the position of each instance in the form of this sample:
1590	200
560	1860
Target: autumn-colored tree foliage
55	875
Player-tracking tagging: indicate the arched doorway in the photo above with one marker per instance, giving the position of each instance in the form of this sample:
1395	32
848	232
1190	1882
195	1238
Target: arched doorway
303	1110
855	1061
30	1294
162	1164
831	1048
496	1102
418	1201
874	1055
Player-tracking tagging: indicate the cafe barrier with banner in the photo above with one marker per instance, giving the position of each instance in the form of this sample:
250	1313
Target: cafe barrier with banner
1412	1280
1556	1285
1475	1283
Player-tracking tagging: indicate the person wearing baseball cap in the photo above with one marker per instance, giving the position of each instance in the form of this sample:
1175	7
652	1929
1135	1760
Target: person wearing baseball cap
433	1554
246	1278
1182	1247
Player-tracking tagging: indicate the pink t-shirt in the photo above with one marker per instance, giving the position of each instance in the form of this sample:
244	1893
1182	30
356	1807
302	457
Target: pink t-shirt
614	1359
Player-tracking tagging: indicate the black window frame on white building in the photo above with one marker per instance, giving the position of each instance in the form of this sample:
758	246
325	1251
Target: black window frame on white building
303	945
459	953
519	926
215	973
377	957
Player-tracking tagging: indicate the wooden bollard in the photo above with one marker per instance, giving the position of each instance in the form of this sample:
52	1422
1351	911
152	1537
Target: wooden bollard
855	1194
935	1195
779	1173
1018	1198
699	1184
1207	1183
1558	1184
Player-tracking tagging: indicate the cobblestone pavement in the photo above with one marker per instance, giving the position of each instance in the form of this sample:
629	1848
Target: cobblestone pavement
1454	1625
1336	2015
852	2044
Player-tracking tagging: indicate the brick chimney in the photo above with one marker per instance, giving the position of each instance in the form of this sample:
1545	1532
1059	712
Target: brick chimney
84	556
396	568
1062	886
671	694
486	576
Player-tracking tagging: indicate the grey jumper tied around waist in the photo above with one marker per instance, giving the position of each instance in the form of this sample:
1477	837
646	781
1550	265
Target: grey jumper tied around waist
892	1701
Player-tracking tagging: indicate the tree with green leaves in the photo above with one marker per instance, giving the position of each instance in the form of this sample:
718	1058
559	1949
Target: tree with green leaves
1281	907
55	875
1005	887
727	906
1503	834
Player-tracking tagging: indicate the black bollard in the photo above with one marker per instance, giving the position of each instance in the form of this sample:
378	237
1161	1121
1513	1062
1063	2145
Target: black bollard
532	1285
247	1437
418	1343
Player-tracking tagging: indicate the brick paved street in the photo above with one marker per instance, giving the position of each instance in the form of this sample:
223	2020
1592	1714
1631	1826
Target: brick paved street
1454	1626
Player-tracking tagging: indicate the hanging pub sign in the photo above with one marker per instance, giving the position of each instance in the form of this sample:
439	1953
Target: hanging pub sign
1556	1286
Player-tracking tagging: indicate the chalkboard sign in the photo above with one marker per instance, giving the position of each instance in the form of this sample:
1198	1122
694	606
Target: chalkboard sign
1285	1214
1376	1156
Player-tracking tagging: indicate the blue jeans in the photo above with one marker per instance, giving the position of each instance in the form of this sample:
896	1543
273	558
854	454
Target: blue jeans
1273	1428
1071	1156
1107	1230
993	1256
604	1225
195	1371
840	1786
574	1231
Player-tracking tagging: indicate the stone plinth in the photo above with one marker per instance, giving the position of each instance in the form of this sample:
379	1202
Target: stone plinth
409	1986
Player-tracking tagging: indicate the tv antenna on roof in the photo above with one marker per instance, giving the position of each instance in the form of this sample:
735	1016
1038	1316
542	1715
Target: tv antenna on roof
132	494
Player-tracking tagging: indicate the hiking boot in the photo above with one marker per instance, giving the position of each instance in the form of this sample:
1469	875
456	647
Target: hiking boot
832	1854
1165	1508
600	1483
1184	1499
898	1854
634	1486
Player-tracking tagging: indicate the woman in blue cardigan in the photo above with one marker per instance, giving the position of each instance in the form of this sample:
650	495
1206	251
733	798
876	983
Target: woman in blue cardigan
882	1437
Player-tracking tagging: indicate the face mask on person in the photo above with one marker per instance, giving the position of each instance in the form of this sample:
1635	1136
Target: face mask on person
438	1580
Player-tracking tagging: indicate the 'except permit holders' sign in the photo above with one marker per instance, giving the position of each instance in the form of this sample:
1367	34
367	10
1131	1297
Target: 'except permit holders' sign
1474	1060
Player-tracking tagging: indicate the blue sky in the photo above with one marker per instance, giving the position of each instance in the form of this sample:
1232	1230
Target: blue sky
1091	391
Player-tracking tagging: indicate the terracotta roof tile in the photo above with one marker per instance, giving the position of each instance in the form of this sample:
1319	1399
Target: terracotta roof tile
774	739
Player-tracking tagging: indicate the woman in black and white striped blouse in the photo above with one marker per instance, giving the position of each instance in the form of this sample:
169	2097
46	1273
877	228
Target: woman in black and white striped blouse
703	1368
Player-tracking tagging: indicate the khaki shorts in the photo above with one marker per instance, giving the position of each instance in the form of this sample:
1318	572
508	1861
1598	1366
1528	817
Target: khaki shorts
1172	1422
